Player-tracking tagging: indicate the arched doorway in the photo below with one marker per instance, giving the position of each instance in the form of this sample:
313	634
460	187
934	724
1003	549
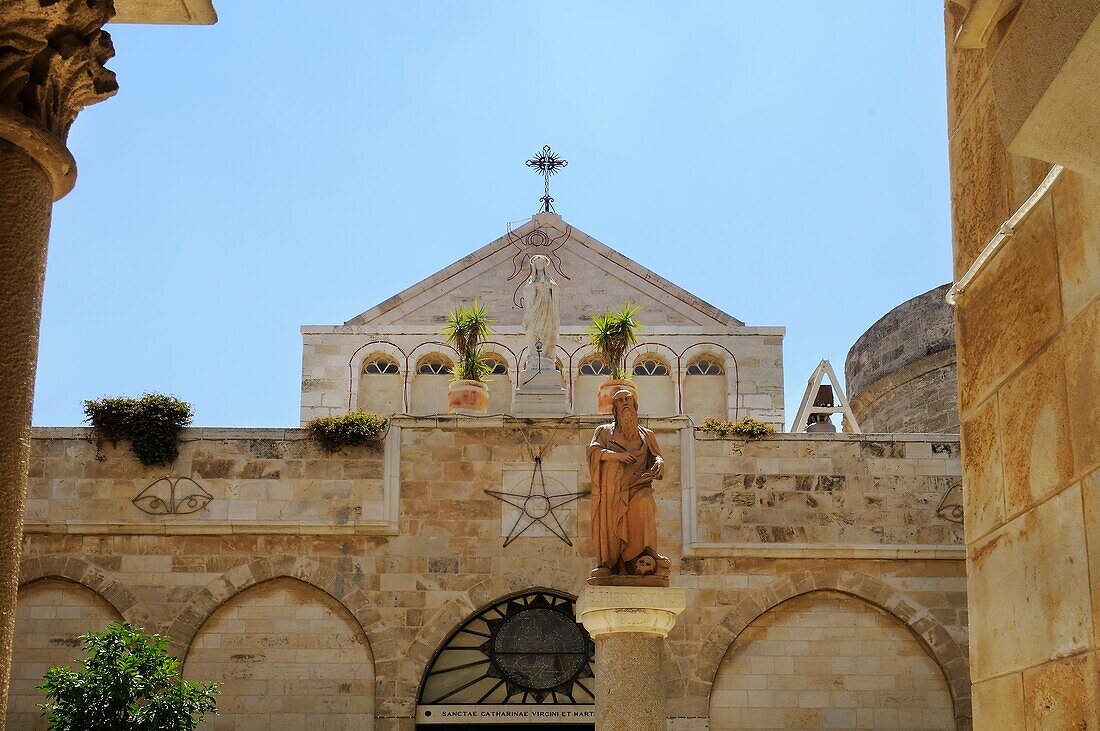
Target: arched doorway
522	662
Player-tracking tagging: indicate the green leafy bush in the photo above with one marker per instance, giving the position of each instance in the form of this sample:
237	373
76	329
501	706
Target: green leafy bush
152	423
747	427
127	682
334	432
611	334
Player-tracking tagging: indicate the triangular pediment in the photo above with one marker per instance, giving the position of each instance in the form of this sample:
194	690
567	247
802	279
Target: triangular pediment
592	278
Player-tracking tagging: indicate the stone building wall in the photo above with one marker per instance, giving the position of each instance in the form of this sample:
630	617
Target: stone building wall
1022	96
396	545
901	373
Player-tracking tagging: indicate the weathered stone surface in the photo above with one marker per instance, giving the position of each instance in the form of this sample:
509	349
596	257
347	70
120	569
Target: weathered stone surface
999	703
1024	616
1011	311
900	374
1034	419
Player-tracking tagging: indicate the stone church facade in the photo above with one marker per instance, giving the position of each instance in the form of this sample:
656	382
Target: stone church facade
411	583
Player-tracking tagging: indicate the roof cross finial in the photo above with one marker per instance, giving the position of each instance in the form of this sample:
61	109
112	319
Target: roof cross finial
547	163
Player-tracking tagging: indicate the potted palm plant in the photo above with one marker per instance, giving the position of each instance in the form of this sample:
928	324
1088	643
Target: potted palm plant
466	328
612	334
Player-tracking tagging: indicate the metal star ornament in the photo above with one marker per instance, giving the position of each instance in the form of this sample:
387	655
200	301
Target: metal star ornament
537	506
547	163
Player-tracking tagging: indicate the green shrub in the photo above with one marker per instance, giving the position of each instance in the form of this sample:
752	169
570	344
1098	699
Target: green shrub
152	423
334	432
127	682
747	427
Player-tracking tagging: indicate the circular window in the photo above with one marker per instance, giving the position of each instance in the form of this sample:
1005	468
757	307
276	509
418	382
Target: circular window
526	649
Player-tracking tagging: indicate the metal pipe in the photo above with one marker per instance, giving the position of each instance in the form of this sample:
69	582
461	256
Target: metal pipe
1005	232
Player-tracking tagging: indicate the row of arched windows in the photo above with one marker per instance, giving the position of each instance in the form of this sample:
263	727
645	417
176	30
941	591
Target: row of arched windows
647	365
703	391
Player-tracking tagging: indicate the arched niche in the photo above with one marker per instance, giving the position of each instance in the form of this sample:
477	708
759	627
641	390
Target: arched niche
705	388
50	616
381	385
284	651
826	659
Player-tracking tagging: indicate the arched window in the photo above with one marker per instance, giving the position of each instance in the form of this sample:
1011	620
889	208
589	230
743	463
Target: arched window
428	390
656	389
705	393
500	385
497	365
592	371
434	364
381	390
650	365
705	365
380	364
594	365
526	650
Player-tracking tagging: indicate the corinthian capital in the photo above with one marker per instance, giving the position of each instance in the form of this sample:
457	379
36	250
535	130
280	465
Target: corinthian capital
51	66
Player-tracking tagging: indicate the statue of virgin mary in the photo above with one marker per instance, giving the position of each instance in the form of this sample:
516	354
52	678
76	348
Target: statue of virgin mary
540	310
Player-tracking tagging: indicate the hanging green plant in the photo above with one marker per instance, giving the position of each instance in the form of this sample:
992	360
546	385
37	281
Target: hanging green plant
152	423
746	427
349	430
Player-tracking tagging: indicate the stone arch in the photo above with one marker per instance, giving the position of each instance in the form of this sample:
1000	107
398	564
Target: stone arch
79	571
436	628
932	635
325	579
364	351
657	395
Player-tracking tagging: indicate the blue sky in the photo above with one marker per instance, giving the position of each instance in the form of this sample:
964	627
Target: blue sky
785	161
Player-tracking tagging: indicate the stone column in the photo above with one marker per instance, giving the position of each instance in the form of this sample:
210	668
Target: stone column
51	67
629	626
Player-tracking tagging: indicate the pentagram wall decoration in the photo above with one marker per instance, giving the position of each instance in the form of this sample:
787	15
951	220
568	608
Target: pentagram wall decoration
537	505
527	649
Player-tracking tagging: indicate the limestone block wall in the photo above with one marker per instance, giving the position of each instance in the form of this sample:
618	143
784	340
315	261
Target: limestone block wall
901	373
751	359
275	592
826	660
1028	344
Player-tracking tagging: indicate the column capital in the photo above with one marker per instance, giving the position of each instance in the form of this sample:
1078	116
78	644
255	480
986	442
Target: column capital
650	610
52	60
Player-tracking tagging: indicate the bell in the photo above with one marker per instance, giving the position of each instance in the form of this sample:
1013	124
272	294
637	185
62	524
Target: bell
821	423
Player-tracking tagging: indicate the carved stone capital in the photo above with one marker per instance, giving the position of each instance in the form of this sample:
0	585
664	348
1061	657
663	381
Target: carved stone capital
51	66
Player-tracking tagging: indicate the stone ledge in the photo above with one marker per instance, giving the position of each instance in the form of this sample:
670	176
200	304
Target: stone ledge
215	528
815	550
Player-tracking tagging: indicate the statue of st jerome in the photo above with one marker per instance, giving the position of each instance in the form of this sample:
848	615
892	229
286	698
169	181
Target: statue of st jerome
624	460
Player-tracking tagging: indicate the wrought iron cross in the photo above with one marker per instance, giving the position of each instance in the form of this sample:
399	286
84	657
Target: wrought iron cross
547	163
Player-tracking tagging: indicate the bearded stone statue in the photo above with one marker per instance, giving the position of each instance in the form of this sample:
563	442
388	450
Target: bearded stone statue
624	460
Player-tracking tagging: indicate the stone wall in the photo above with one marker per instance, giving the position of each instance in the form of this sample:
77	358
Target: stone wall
281	583
1029	343
901	373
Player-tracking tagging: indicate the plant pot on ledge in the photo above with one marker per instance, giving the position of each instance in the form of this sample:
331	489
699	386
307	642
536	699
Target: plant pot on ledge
608	389
467	397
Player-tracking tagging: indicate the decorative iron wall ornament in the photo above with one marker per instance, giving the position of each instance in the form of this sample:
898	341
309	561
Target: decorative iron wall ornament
528	649
537	506
548	163
951	505
172	496
535	242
